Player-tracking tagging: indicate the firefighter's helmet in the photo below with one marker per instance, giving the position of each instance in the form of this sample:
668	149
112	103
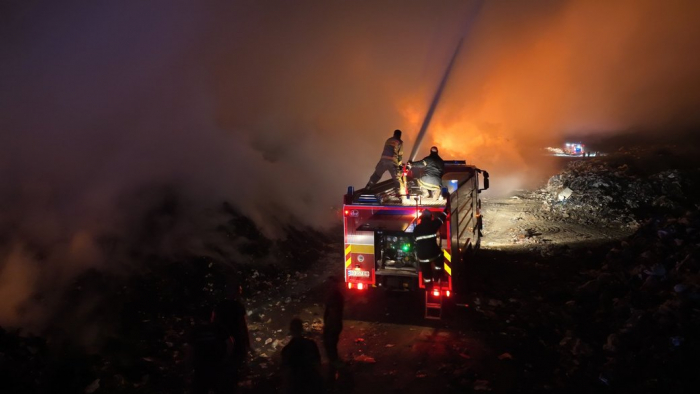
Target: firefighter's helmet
434	149
397	133
426	215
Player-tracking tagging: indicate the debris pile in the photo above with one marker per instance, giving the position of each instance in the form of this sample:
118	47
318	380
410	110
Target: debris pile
146	319
641	309
629	320
622	316
618	189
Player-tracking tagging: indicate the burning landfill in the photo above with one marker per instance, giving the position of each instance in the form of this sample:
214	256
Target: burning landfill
626	315
158	159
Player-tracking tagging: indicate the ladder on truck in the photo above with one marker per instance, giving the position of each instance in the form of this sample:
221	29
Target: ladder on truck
433	305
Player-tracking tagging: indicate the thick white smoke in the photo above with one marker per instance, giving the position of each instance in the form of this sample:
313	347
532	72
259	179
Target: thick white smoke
277	107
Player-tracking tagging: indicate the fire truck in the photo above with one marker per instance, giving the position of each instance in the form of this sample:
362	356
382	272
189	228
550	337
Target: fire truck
574	149
379	241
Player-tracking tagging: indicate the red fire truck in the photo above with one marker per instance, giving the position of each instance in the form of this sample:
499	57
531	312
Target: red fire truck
574	149
379	241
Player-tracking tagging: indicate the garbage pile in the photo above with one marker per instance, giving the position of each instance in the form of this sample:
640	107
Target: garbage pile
633	318
618	189
638	315
146	318
21	361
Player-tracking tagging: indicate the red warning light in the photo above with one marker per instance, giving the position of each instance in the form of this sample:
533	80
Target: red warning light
447	293
436	293
359	286
349	285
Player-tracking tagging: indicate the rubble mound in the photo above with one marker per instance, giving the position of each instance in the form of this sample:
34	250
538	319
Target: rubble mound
640	310
140	325
621	188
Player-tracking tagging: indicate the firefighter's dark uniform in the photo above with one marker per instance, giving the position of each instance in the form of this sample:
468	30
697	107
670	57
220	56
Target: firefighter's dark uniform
433	168
390	161
428	251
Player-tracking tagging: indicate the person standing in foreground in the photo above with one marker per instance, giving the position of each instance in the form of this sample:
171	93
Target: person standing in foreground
209	344
301	362
333	325
230	315
392	155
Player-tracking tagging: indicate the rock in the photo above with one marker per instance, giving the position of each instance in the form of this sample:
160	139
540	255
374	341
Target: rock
612	343
564	194
656	270
317	325
495	302
581	348
362	358
92	387
482	385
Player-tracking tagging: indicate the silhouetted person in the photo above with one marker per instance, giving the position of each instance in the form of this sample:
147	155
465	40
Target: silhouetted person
427	249
230	315
392	155
301	362
333	325
433	168
208	355
333	319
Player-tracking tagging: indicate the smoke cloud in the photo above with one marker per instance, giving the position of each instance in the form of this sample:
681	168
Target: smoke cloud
278	106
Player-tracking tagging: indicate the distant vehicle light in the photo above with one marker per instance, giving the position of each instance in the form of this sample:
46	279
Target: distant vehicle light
349	285
436	293
447	293
360	286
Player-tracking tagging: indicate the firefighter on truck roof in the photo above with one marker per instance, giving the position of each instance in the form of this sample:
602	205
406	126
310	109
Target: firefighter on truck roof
390	161
433	168
427	249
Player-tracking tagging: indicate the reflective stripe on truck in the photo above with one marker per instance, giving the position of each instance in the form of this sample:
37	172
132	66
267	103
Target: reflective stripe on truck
359	263
448	258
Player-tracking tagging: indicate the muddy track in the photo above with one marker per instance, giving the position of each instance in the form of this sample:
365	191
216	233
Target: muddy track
519	221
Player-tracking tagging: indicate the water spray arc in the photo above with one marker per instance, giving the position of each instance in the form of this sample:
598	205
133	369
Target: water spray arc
443	82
